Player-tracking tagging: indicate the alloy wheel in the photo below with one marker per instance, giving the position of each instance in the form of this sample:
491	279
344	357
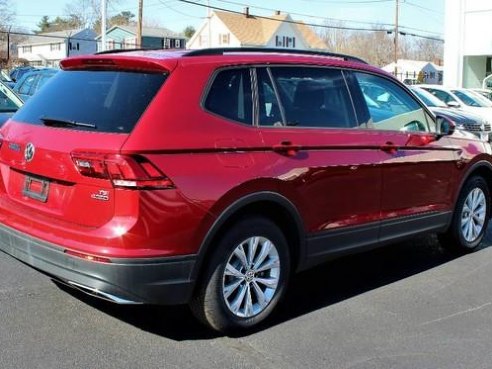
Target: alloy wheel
473	215
251	277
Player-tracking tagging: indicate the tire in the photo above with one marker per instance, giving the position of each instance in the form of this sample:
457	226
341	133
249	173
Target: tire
234	296
470	219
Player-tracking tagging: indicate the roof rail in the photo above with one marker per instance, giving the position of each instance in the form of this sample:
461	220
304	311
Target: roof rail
225	50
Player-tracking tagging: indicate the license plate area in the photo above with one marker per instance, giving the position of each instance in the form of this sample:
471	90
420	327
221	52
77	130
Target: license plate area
36	188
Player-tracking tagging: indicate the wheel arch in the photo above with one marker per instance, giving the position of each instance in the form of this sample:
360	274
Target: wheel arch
482	168
269	204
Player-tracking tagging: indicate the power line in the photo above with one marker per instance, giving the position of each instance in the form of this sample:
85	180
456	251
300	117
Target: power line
349	2
166	5
375	24
308	24
422	7
303	14
281	20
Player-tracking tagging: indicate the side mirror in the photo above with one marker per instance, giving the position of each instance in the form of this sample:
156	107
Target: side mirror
445	126
453	104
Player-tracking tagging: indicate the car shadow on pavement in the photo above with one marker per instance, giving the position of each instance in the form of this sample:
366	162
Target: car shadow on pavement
309	291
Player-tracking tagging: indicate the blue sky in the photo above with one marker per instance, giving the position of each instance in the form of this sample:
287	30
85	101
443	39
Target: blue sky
422	16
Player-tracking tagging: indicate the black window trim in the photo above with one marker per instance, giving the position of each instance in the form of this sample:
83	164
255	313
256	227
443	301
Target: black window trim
256	96
254	90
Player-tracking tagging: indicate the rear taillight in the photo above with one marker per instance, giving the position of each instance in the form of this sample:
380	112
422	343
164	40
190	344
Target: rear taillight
122	170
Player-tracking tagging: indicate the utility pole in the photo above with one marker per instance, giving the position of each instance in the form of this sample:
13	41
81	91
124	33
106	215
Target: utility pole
8	45
103	25
68	45
139	23
396	36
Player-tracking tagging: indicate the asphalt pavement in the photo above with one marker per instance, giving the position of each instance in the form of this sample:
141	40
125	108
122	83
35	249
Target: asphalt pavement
410	305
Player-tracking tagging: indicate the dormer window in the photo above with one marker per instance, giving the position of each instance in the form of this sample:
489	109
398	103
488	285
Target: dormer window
224	38
285	42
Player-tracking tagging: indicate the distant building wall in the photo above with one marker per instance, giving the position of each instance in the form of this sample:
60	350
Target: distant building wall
468	42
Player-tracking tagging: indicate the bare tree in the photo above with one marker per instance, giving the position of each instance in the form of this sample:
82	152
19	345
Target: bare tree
377	46
87	12
427	49
7	13
336	38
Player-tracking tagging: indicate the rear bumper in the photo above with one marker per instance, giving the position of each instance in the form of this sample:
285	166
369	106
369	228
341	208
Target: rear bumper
164	281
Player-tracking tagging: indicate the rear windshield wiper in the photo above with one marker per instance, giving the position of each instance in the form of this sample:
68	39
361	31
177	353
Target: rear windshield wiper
55	122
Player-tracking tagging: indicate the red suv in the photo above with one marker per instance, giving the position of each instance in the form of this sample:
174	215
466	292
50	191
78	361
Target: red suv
208	177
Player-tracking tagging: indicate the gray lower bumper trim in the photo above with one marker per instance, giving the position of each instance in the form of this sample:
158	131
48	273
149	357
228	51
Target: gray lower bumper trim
155	281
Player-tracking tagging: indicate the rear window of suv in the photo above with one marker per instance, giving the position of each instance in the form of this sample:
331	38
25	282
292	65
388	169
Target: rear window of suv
103	101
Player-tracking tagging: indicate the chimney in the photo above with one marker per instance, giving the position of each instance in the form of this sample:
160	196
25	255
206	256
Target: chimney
246	12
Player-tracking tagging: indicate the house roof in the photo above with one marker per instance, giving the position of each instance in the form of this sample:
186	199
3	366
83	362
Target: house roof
147	31
405	65
57	36
251	30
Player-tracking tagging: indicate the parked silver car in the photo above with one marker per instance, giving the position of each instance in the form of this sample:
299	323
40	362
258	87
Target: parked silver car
9	103
464	120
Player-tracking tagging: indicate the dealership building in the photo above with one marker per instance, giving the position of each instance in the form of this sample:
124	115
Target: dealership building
468	42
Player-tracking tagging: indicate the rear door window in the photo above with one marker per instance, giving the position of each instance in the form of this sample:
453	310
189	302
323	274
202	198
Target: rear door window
313	97
269	113
104	101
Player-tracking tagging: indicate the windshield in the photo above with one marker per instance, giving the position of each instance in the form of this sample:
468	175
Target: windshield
4	77
428	98
471	99
106	101
9	101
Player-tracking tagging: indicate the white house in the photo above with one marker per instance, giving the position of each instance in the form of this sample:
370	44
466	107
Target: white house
47	49
413	71
223	29
468	42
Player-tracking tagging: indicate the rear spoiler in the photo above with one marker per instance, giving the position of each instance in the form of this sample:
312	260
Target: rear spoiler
110	62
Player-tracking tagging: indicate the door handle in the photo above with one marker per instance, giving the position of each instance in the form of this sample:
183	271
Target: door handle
286	148
389	147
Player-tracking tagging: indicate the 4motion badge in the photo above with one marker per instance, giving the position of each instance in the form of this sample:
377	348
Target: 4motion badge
102	195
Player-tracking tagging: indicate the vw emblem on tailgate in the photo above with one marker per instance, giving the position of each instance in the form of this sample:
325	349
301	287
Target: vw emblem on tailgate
29	152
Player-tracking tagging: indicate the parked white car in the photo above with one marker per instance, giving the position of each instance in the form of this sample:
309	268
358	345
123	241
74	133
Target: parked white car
463	99
485	92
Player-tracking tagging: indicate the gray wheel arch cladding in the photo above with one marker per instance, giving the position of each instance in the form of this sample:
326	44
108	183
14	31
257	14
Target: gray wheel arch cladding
236	208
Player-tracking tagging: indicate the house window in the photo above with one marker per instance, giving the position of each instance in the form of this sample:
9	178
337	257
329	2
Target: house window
27	49
286	42
224	39
110	45
130	43
55	47
203	40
